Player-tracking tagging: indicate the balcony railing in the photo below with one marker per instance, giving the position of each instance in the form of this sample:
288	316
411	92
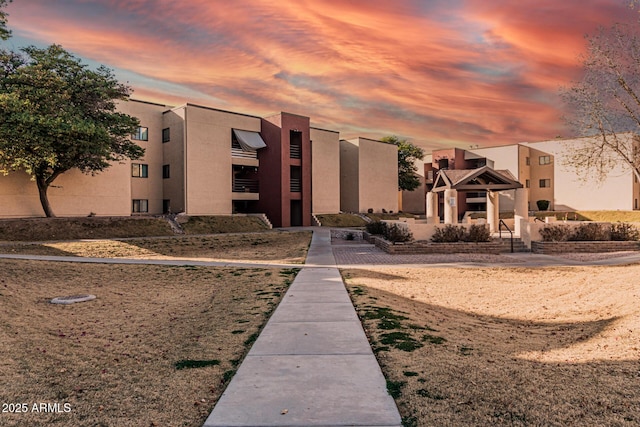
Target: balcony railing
295	152
240	153
243	185
296	185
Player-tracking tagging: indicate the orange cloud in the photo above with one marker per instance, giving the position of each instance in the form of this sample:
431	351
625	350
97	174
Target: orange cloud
472	72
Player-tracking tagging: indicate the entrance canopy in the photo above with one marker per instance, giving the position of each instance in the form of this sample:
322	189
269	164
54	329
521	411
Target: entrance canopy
484	178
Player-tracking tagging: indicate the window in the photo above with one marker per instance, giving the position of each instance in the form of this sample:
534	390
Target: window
295	144
545	183
527	183
545	160
166	171
139	171
527	161
141	134
296	179
140	205
166	135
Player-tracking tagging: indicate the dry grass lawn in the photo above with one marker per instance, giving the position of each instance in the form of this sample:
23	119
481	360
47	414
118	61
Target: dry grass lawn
478	347
283	247
115	359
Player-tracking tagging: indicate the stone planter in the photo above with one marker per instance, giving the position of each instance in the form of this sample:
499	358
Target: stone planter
583	247
413	248
343	234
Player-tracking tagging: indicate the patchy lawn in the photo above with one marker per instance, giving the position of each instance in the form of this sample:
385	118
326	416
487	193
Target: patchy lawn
478	347
283	247
156	348
221	224
40	229
341	220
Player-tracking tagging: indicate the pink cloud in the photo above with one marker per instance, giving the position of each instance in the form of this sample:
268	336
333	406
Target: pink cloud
488	72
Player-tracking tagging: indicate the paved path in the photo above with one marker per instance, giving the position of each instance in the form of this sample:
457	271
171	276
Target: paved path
312	364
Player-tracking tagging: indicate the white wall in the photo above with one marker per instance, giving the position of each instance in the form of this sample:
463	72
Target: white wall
576	193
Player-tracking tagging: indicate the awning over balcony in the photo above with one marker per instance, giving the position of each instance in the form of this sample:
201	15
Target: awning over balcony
249	141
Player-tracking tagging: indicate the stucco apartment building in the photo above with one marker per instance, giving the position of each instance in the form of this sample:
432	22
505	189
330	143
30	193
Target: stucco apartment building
368	179
205	161
541	167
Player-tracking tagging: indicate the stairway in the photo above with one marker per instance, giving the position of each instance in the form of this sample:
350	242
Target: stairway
518	244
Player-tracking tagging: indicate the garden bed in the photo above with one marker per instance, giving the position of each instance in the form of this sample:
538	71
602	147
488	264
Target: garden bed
437	248
583	247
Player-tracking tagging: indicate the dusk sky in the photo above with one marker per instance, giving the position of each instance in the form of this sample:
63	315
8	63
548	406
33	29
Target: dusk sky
437	72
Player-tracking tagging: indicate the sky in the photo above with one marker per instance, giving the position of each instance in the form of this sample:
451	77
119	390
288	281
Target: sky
439	73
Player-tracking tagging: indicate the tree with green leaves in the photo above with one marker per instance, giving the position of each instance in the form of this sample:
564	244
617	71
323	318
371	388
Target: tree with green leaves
56	114
408	154
4	32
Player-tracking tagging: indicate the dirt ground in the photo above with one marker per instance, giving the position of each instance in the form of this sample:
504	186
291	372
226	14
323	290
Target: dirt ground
497	346
272	246
129	357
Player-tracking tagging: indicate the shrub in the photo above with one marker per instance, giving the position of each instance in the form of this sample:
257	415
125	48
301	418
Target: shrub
376	227
396	233
370	210
555	233
543	205
590	231
478	233
448	234
623	231
350	236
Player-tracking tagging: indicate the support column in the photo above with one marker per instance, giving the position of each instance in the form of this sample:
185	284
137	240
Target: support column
450	206
521	211
493	210
432	208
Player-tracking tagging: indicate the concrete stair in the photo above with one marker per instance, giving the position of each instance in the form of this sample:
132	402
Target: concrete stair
518	244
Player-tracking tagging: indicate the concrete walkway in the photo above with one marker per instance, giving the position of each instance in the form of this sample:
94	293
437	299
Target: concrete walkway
312	364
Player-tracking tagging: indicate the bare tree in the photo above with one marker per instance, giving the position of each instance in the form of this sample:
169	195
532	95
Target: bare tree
605	104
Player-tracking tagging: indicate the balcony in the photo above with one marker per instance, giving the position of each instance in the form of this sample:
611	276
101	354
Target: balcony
295	152
245	185
295	185
476	197
241	154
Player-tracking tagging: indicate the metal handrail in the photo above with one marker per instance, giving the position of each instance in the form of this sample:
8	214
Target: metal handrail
538	219
508	229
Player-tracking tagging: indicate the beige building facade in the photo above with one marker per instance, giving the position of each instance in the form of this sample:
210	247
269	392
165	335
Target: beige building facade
368	176
205	161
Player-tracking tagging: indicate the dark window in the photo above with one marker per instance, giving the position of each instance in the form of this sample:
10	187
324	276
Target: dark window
528	161
166	135
166	206
139	170
296	179
527	183
141	134
140	205
166	171
295	144
545	160
545	183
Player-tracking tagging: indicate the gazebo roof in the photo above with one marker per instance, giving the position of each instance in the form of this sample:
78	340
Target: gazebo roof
484	178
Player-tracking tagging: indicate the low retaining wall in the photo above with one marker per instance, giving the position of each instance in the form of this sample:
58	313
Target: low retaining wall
344	234
437	248
583	247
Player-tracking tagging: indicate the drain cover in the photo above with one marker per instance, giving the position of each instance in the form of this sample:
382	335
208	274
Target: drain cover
72	299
